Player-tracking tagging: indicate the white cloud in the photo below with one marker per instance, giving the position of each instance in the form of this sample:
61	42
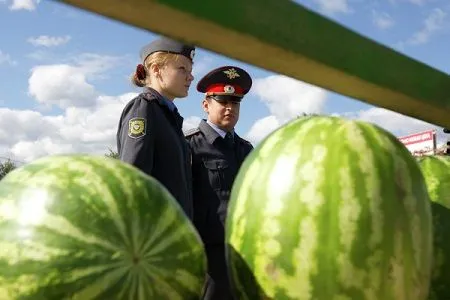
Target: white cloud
30	150
286	98
94	63
433	23
80	130
382	20
396	123
415	2
88	121
392	121
261	128
61	85
418	2
333	6
67	85
49	41
191	122
29	5
5	58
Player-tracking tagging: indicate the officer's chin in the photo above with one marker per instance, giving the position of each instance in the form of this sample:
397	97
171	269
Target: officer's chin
229	121
183	94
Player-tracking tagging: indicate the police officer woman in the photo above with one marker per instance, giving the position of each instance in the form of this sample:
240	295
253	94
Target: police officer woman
150	135
217	154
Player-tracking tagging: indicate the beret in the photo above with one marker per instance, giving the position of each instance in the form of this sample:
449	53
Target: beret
167	45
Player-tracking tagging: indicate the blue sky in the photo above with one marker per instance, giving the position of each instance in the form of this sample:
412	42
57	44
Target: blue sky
65	74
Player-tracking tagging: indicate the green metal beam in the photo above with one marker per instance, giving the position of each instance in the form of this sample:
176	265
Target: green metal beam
286	38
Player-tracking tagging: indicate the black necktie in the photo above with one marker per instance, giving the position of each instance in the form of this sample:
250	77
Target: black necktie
229	139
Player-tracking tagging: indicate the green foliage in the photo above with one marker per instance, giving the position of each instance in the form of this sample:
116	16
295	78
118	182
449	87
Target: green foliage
112	154
6	167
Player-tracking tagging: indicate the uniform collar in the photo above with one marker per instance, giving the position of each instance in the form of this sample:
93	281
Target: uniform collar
216	128
210	134
161	99
169	104
211	131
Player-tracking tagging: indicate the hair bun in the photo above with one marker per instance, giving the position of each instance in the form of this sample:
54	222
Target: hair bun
140	72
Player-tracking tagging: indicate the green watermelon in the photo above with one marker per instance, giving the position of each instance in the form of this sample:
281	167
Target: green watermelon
436	170
89	227
328	208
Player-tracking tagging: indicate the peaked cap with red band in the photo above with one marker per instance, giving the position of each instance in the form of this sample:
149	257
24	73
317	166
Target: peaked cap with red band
226	81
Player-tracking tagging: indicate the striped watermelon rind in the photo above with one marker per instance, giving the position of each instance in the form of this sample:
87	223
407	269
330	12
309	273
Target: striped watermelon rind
88	227
327	208
436	170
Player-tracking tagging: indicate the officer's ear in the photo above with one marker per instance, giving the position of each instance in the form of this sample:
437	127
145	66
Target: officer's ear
155	69
205	105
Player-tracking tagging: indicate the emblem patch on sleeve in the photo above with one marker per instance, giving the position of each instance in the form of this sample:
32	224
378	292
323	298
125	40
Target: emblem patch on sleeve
137	127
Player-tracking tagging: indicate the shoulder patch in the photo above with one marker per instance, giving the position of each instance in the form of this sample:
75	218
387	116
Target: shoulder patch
137	127
191	132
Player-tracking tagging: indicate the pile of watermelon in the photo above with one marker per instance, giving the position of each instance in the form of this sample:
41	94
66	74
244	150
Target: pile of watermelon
436	170
324	208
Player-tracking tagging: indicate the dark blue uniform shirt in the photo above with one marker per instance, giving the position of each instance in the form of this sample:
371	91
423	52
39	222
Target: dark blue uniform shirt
215	163
150	137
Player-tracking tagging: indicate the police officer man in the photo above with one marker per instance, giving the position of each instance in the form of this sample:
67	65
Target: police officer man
217	154
150	135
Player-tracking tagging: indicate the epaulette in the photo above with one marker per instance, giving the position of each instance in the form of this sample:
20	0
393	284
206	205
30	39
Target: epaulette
191	132
245	141
147	96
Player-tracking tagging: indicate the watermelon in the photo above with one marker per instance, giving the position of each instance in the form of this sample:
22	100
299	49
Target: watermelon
436	170
90	227
328	208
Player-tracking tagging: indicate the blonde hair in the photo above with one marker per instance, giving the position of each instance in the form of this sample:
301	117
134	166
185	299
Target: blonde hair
158	58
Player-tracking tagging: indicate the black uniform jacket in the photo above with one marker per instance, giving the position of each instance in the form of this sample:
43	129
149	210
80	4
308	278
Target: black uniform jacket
214	168
150	137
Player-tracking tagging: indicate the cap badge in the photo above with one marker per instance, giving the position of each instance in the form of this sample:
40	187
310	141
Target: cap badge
231	73
229	89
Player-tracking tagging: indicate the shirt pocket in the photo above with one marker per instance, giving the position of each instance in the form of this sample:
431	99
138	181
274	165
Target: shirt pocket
216	170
